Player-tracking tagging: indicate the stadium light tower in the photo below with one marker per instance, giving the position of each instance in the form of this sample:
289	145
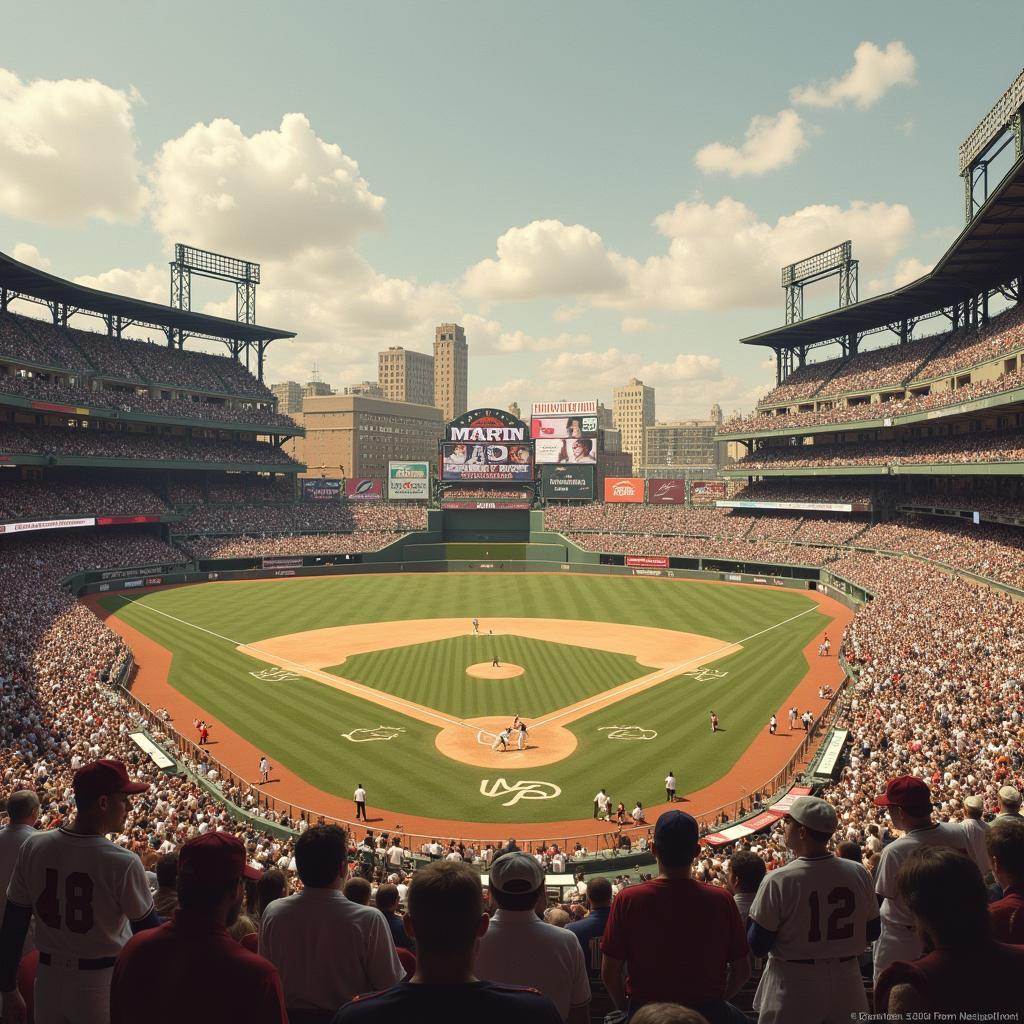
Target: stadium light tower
837	261
1003	124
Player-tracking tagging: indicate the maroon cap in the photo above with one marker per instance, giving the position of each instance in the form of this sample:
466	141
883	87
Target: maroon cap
216	858
101	778
907	792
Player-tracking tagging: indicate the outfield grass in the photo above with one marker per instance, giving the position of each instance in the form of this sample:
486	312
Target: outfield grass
434	674
299	722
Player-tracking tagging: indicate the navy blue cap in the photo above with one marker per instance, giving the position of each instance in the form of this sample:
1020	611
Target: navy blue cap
676	834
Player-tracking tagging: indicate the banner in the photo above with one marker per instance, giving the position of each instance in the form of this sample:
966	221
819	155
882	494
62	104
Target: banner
648	561
408	481
705	491
364	490
566	451
567	482
44	524
587	408
666	492
123	520
466	503
799	506
321	490
501	462
624	489
563	426
281	561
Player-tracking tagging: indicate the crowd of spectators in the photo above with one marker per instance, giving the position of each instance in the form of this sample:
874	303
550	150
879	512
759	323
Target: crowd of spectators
300	517
23	338
989	498
960	449
736	551
77	496
1002	335
97	442
194	487
299	544
830	492
645	519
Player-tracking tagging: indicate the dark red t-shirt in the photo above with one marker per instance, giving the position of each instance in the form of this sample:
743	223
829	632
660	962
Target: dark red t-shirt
191	969
1008	917
984	977
676	936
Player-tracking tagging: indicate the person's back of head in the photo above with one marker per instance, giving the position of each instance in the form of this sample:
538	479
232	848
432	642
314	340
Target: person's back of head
387	898
23	807
516	881
945	892
849	850
273	884
667	1013
746	870
446	908
1005	842
321	856
1009	800
358	890
676	842
167	871
599	892
556	916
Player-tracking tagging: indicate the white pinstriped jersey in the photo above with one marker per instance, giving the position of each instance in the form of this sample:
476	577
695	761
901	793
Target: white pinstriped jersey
819	907
83	891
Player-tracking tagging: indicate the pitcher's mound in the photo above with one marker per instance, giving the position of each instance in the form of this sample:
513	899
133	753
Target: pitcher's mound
485	670
471	742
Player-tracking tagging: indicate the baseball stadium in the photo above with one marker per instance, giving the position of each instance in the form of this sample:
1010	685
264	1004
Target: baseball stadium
505	646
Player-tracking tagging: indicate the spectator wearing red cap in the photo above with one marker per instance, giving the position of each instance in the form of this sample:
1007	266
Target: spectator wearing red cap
327	948
87	895
967	969
909	801
191	968
681	941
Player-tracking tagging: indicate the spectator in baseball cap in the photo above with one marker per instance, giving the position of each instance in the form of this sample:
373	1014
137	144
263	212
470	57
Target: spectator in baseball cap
909	802
975	828
191	963
446	918
967	969
651	932
1009	802
520	949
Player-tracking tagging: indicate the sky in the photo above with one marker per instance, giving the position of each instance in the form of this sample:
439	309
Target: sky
594	190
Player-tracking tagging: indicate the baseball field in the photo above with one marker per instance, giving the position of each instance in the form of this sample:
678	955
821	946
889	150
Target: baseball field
380	680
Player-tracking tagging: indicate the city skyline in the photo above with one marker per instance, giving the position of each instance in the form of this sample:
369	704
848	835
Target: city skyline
622	212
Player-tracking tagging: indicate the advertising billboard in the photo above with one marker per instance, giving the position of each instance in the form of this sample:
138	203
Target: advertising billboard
647	561
706	492
666	492
486	462
568	451
567	482
585	408
321	490
798	506
408	481
44	524
563	426
364	490
624	489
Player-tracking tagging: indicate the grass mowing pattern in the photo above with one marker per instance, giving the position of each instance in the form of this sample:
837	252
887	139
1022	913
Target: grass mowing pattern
434	674
299	722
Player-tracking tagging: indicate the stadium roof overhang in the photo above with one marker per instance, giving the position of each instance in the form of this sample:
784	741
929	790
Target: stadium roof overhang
988	254
37	284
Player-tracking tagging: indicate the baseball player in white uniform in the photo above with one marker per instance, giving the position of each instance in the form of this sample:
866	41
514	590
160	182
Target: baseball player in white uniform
86	895
501	740
814	916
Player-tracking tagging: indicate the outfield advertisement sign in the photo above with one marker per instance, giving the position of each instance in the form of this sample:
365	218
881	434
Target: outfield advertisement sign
282	562
647	561
44	524
364	490
568	482
486	462
799	506
408	481
624	489
666	492
705	491
481	504
321	490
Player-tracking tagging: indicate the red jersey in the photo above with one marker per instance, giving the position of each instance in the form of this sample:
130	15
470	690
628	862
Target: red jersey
1008	917
676	936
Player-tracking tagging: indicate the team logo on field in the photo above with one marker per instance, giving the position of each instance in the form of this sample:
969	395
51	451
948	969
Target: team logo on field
380	732
628	732
524	789
705	675
274	675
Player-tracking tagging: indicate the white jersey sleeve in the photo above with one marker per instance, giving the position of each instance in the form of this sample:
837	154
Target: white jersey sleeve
819	908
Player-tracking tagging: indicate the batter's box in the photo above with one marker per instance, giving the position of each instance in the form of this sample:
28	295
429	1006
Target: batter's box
628	732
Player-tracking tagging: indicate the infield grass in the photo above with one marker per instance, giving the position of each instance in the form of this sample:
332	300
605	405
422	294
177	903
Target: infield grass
299	722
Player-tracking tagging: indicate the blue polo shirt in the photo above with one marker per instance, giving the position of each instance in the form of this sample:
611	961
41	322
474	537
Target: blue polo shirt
589	932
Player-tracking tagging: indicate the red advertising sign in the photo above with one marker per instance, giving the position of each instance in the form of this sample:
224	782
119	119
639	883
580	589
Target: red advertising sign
124	520
706	491
624	489
666	492
648	561
364	490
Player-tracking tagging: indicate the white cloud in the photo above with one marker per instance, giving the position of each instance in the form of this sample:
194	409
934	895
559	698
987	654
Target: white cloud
636	325
904	272
151	283
566	314
770	142
26	253
874	73
68	152
261	197
543	259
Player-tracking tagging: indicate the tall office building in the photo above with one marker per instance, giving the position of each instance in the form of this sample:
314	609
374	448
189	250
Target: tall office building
289	396
367	389
316	389
633	412
451	370
406	376
682	444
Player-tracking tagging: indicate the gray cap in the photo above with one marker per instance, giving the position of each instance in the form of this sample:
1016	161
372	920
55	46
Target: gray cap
1010	795
974	803
515	874
814	813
